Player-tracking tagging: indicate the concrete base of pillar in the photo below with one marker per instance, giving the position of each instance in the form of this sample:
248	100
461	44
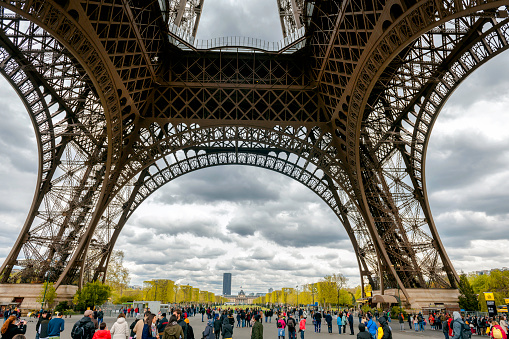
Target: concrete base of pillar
422	297
27	294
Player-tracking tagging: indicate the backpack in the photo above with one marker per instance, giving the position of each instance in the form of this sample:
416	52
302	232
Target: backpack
78	331
465	331
291	324
190	332
496	333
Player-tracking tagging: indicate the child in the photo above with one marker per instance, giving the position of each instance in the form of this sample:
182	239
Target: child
103	332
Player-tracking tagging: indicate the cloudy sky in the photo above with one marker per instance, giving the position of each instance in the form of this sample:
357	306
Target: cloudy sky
270	231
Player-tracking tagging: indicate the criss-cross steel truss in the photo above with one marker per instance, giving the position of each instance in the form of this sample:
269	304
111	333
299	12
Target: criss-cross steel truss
123	99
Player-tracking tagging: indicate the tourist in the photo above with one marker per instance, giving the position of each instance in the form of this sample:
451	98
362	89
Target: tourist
227	329
401	319
120	328
257	330
328	320
387	333
281	324
217	326
371	326
182	323
103	332
350	322
445	328
503	323
292	334
302	326
149	327
209	330
497	332
12	327
339	321
318	321
42	329
56	326
161	324
363	334
344	321
100	316
173	330
457	325
84	326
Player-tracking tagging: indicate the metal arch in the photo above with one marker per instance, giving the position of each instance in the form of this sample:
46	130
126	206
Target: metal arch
151	180
485	45
57	128
455	64
387	47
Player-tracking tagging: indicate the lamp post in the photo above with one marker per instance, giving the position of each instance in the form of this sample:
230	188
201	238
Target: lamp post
297	291
47	283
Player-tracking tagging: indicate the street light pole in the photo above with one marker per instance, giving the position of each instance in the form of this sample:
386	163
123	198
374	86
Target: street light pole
297	289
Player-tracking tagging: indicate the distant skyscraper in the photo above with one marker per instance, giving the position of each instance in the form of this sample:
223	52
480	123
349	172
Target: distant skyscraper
227	284
271	290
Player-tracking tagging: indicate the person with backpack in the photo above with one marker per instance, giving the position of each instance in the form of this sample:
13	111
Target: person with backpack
292	332
387	333
460	329
173	330
281	324
84	328
227	329
497	332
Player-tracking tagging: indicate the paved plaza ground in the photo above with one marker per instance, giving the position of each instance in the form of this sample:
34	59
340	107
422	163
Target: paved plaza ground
269	330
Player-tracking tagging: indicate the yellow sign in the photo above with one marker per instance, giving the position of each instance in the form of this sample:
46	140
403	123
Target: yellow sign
506	300
489	296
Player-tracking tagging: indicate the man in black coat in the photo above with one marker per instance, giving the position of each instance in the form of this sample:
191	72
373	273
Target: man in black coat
363	334
350	322
181	322
86	324
385	327
217	327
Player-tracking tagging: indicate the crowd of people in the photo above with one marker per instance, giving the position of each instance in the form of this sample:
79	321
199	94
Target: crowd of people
220	324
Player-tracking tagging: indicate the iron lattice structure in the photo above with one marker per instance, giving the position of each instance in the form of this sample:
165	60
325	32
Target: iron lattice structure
123	100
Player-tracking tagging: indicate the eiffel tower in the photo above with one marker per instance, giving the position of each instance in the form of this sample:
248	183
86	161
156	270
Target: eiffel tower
123	99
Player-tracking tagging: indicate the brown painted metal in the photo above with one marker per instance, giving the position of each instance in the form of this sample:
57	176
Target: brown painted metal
119	110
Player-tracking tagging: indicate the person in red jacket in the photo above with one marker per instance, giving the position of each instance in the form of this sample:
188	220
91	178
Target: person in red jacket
103	333
449	321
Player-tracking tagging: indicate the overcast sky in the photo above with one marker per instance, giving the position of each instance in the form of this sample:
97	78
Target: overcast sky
268	230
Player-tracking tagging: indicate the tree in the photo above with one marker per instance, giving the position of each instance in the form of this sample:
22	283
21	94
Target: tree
48	294
467	299
117	275
92	294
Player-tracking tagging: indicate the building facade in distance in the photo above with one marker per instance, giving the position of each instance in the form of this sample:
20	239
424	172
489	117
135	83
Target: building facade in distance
227	284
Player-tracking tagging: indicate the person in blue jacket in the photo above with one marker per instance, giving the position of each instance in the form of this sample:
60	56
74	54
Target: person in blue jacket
372	326
339	322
